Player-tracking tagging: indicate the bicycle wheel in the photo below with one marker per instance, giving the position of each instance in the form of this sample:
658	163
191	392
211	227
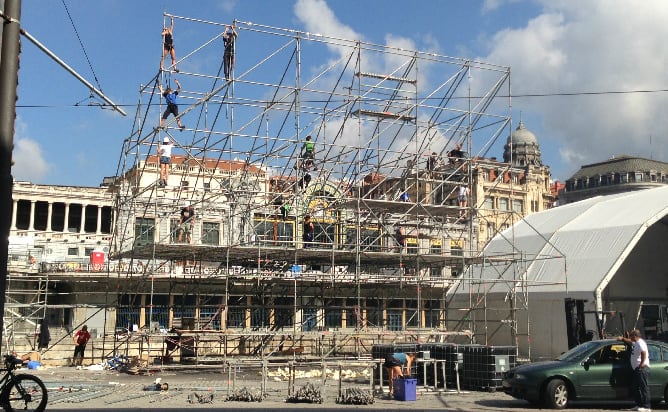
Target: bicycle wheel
24	393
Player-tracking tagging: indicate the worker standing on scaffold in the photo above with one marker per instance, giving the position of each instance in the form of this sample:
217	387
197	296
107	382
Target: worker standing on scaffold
168	45
229	39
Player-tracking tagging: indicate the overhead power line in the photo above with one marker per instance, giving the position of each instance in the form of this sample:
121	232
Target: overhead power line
514	96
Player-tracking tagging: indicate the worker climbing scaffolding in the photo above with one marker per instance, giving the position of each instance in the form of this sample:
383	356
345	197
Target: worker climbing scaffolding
306	159
168	45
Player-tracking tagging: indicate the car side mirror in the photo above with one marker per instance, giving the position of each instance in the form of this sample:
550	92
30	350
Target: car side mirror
590	361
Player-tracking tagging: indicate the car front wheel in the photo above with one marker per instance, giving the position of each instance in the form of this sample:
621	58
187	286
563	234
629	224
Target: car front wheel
556	394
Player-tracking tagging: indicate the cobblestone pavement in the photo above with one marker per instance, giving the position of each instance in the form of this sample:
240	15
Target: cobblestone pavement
72	389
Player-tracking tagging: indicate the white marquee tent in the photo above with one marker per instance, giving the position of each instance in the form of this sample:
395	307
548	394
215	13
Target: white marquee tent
607	251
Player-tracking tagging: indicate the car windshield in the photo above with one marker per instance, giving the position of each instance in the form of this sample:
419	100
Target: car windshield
578	352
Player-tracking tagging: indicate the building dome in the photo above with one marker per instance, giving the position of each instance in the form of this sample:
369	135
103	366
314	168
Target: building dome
521	148
522	135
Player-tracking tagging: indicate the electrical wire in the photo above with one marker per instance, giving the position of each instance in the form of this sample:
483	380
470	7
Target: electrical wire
99	87
514	96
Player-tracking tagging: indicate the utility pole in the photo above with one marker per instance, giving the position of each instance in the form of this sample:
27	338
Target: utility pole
9	77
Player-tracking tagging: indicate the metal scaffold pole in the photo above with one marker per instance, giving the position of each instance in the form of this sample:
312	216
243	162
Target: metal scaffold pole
9	66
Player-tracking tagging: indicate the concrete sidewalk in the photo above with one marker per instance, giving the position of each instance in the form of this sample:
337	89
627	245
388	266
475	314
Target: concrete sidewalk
106	390
84	389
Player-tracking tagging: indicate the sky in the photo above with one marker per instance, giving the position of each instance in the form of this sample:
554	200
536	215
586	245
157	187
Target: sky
587	77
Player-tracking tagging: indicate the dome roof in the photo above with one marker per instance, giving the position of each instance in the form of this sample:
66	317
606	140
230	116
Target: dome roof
522	135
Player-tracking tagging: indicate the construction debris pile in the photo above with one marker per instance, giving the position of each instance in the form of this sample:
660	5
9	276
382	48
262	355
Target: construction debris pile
355	396
306	394
246	395
197	398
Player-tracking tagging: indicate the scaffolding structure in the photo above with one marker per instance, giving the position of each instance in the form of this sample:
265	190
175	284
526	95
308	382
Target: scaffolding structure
382	190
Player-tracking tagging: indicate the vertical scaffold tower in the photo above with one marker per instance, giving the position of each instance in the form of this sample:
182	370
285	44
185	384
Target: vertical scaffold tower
381	189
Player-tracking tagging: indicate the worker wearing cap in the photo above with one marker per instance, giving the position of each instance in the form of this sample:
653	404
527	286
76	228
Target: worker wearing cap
165	153
186	222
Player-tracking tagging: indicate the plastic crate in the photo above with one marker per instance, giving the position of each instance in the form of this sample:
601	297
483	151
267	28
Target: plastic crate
405	389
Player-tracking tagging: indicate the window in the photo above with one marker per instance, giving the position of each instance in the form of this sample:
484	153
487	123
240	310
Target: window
259	318
159	312
173	230
457	247
236	318
210	233
411	246
432	311
518	205
309	319
654	353
488	203
144	231
665	354
333	318
503	203
208	317
72	251
324	233
207	186
615	353
435	247
491	230
274	232
370	240
374	312
283	312
639	177
184	185
394	321
88	251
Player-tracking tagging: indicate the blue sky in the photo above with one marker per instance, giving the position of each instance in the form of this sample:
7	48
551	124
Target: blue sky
553	47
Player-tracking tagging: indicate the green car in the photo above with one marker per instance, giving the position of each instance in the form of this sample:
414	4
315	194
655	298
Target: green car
596	370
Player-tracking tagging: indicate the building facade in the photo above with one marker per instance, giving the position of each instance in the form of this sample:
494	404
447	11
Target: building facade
617	175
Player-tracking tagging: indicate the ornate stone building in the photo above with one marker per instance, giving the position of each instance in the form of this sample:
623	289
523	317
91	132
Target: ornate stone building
616	175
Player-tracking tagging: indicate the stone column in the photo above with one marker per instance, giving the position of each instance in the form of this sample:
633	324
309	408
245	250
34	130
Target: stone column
48	217
99	220
83	219
15	204
66	224
31	226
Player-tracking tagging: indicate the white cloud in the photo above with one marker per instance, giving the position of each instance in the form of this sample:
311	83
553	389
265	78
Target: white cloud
491	5
29	161
318	18
592	46
228	5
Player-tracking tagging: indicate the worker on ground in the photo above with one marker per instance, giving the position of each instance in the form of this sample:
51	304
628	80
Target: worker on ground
395	364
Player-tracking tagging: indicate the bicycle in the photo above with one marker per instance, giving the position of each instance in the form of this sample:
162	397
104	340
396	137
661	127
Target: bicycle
21	392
